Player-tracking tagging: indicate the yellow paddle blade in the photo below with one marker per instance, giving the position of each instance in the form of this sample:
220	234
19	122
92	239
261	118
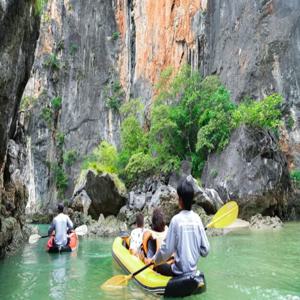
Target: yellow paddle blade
116	281
226	215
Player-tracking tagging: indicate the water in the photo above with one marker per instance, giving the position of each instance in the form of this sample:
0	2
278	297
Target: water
241	265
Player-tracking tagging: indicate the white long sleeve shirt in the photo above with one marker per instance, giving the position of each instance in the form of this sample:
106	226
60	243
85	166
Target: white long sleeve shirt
61	223
186	238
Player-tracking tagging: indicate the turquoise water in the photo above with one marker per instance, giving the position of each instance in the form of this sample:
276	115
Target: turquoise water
241	265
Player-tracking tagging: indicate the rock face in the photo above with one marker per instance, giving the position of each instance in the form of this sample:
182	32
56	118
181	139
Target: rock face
106	197
19	25
75	61
96	53
253	46
251	170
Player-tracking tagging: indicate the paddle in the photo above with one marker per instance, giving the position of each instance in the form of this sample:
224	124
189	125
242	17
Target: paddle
224	217
81	230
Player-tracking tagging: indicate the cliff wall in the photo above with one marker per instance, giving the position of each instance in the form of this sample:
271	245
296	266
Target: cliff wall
19	28
96	55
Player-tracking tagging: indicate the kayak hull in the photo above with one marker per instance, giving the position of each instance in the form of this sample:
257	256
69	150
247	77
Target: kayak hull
73	244
179	286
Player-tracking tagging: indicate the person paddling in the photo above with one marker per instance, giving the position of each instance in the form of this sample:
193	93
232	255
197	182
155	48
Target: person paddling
61	224
186	237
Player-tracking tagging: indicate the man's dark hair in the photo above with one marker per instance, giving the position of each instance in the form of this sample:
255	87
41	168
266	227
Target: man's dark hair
139	220
185	191
158	222
60	207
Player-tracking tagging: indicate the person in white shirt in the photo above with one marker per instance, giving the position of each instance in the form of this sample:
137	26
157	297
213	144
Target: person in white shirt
61	224
186	237
136	236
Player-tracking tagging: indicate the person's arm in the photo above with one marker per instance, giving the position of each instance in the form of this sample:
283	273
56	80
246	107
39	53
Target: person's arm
51	228
168	246
204	247
69	223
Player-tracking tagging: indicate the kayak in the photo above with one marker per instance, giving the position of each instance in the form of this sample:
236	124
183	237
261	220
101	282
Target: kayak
179	286
72	246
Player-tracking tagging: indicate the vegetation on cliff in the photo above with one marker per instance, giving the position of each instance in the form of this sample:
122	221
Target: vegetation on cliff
190	118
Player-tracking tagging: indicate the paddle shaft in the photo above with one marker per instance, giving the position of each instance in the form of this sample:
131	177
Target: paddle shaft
44	236
142	269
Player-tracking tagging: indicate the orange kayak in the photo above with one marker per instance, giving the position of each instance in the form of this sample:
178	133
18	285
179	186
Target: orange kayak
72	246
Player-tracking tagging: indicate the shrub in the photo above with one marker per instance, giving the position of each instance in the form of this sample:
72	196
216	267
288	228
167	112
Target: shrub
115	36
47	115
39	6
70	157
60	178
103	159
265	113
290	123
133	137
295	175
114	95
60	139
56	103
139	166
52	62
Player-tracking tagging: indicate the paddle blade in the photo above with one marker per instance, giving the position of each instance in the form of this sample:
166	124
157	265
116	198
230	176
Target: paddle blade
226	215
81	230
115	282
34	238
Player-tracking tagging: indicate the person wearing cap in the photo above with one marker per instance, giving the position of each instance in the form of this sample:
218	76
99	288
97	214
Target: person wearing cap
186	237
61	224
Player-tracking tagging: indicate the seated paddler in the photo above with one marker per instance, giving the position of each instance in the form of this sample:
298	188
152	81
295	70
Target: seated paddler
61	224
186	237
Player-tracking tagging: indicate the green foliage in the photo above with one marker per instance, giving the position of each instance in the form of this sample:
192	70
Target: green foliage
39	6
193	117
56	103
60	139
60	178
115	36
114	96
70	157
265	113
295	175
47	115
73	49
52	62
103	159
27	102
190	118
134	108
139	166
290	123
133	138
215	124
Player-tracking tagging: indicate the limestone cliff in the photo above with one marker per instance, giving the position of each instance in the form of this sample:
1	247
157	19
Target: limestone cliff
19	27
97	54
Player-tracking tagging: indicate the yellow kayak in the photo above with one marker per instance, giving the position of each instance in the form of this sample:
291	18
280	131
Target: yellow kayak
154	282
